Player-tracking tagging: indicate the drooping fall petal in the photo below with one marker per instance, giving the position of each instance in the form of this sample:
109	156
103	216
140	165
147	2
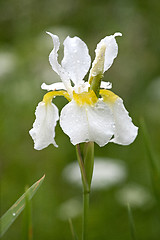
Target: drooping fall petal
87	123
43	131
125	131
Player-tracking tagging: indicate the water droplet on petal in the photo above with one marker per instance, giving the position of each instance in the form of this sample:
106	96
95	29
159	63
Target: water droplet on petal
86	140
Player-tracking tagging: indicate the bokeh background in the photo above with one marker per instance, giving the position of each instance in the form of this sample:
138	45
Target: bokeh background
24	66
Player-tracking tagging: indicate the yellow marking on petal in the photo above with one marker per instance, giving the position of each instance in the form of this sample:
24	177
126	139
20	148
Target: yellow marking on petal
85	98
50	95
108	96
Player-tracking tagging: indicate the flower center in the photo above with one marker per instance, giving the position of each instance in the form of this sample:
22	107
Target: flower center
85	98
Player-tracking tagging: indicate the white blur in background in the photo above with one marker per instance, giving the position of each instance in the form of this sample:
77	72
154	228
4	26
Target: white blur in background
107	173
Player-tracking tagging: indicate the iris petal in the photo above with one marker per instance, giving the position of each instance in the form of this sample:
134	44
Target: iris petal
87	123
111	49
109	45
53	86
43	131
125	130
76	59
56	66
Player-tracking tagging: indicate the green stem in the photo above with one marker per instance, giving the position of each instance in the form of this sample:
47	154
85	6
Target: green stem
85	215
88	153
86	164
85	192
83	172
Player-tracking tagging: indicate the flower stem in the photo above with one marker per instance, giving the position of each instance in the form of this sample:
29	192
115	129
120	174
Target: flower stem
85	192
86	166
85	215
81	165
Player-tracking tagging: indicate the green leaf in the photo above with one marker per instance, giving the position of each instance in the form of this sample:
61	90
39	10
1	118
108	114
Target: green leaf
27	218
10	216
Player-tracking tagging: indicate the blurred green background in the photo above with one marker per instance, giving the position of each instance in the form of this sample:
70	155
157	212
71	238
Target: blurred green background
24	66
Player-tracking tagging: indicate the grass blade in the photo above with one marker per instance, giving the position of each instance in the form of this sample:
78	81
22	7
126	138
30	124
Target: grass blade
149	147
27	219
10	216
131	223
154	166
74	235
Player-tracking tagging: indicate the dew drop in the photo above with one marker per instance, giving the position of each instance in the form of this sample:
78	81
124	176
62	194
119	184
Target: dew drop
86	140
13	214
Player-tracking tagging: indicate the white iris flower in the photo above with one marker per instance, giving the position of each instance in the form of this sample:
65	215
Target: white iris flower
87	117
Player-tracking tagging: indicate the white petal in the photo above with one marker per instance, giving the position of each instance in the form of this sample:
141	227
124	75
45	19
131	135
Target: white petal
53	87
111	49
106	85
76	59
56	66
54	55
125	130
83	87
43	131
86	123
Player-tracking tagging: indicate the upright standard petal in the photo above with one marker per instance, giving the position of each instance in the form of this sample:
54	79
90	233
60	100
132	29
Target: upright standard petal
76	59
106	52
87	123
43	131
56	66
125	131
111	50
